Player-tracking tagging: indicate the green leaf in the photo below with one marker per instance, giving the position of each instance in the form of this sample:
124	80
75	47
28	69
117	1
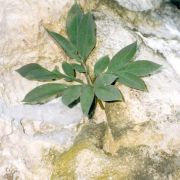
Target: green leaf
86	36
74	18
105	79
36	72
56	70
108	93
101	65
67	46
71	94
141	68
44	93
123	57
86	98
131	81
79	68
68	69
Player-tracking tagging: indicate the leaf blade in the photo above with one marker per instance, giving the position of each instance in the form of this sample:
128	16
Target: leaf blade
86	36
141	68
67	46
101	65
74	18
79	68
36	72
131	81
71	94
108	93
123	57
105	80
68	69
86	98
44	93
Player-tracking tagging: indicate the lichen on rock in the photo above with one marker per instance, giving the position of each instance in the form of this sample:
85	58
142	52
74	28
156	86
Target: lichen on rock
143	139
87	161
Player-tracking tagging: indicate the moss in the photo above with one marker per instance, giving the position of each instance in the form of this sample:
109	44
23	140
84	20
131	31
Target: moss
64	164
111	174
148	167
130	163
118	120
141	167
130	151
92	132
160	165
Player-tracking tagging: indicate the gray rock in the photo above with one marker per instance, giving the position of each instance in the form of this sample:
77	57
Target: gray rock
150	120
142	5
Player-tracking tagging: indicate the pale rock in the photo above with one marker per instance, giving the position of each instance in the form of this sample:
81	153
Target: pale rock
28	132
157	44
142	5
25	130
165	36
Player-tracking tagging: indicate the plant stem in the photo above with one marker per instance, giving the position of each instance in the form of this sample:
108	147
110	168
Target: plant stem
77	80
88	78
90	83
73	79
101	104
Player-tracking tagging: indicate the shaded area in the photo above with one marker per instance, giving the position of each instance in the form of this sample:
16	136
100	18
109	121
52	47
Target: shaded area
86	159
176	2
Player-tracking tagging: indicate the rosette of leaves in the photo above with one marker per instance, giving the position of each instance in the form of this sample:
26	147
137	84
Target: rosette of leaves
79	43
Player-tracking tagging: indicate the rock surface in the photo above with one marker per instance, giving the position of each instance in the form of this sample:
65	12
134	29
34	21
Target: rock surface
142	5
42	142
27	131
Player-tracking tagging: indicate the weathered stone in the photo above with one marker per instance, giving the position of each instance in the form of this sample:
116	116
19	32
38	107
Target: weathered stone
154	110
85	161
142	5
26	130
143	134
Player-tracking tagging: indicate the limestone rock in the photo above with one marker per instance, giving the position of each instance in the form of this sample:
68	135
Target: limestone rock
87	161
142	5
143	138
147	113
25	130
